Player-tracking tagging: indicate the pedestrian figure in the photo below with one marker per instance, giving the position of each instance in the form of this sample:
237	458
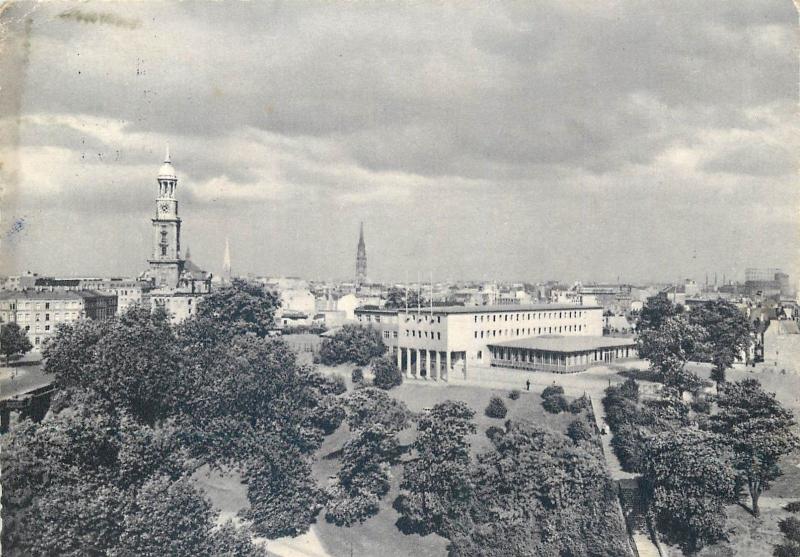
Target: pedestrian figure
527	384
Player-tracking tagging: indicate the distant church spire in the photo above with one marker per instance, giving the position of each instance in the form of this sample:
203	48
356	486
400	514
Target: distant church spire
188	254
166	156
226	262
361	258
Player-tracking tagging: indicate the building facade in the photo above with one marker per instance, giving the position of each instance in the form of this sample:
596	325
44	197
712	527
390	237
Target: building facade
178	284
166	265
443	342
561	354
38	312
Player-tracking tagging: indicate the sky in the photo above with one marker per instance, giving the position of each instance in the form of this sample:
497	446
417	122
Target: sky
489	141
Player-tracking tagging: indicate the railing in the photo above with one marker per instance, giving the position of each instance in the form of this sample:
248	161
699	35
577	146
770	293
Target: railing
534	366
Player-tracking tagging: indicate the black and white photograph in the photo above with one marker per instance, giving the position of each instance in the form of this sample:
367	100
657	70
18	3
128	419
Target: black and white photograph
407	278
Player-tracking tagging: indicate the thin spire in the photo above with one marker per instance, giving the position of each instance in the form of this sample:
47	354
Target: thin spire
226	261
166	156
188	253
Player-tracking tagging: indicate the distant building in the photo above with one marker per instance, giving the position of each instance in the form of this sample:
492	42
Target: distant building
179	284
128	291
361	259
38	312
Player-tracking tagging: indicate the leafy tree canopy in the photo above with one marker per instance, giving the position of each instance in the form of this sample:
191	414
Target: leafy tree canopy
13	340
758	429
352	344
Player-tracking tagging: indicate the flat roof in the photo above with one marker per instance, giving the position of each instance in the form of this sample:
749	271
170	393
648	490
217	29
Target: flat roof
499	308
557	343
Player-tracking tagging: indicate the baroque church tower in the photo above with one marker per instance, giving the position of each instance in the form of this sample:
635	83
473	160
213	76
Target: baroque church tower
361	259
166	265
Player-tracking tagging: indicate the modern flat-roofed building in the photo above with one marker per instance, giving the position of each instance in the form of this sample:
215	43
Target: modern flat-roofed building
38	312
383	319
561	354
437	341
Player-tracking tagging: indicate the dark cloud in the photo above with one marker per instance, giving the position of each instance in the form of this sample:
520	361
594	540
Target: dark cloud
296	119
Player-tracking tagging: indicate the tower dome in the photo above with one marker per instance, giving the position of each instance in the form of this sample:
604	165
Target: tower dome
167	170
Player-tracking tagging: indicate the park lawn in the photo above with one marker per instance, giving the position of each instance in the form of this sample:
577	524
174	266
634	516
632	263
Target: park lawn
379	534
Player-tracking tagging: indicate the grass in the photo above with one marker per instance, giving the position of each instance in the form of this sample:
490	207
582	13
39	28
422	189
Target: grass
379	533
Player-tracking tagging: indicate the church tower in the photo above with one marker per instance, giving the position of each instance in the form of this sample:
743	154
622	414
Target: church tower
226	263
166	264
361	259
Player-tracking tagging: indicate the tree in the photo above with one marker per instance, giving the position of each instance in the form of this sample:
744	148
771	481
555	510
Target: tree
396	299
728	335
13	340
669	347
354	344
687	481
436	487
363	478
655	311
357	376
284	498
241	308
758	429
69	353
370	406
537	493
387	374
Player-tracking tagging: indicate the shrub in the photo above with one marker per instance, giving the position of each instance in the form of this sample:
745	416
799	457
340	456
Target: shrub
496	408
579	405
555	404
579	430
387	374
790	527
357	377
793	507
552	390
493	433
514	395
701	406
628	444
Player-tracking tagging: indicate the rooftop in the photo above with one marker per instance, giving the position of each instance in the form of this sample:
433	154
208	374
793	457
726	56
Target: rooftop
51	294
501	308
557	343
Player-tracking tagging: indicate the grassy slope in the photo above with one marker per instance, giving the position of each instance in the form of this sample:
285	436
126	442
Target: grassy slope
379	535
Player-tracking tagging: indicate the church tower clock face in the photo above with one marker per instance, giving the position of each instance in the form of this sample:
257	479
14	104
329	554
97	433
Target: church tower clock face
165	207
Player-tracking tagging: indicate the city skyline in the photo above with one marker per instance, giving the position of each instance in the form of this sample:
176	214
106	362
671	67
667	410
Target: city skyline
474	143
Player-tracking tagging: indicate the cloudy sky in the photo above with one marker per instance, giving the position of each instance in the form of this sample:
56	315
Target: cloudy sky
645	140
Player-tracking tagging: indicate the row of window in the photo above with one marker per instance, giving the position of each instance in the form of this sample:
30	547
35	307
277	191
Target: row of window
530	331
24	316
37	329
531	316
386	334
419	334
47	305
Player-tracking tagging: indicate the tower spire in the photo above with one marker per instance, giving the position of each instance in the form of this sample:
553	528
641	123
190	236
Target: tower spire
361	258
226	262
166	156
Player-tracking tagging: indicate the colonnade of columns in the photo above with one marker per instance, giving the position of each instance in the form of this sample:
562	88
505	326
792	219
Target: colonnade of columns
417	362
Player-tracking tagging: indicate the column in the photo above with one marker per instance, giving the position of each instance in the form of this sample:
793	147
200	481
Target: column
431	365
448	365
419	363
438	365
408	361
399	359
